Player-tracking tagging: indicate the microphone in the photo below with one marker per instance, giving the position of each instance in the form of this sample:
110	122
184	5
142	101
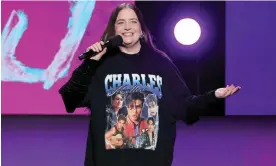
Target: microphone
112	43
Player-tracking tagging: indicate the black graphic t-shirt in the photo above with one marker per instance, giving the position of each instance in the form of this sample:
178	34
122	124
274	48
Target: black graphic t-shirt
135	101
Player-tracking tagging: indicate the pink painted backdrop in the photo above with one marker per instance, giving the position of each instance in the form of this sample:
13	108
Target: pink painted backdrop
47	26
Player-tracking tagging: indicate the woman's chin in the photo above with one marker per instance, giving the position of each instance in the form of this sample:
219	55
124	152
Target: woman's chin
129	43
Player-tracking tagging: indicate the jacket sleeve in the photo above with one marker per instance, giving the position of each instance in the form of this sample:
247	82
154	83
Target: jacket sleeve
74	91
187	107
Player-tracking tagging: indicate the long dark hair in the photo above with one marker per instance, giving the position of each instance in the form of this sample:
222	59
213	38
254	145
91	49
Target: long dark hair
110	28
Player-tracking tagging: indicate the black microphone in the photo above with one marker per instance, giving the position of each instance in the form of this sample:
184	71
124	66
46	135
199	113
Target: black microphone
112	43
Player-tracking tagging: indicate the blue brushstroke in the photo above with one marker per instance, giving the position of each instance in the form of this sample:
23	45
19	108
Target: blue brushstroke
77	24
17	32
13	70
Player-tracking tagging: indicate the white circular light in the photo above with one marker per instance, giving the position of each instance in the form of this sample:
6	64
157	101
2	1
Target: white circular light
187	31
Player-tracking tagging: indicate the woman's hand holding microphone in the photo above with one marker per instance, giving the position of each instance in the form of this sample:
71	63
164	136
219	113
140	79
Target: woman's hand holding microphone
97	47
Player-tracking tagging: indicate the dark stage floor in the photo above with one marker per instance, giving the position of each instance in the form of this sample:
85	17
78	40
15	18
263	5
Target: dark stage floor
213	141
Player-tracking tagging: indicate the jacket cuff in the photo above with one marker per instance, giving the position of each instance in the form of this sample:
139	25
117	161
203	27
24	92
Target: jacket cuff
90	64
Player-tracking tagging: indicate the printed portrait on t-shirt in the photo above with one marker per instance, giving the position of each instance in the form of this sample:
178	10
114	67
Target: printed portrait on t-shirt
132	117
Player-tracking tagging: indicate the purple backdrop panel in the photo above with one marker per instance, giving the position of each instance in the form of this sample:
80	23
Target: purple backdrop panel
40	45
251	57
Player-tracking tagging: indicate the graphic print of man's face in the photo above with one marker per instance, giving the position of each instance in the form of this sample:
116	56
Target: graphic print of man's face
134	104
120	124
134	110
151	124
151	102
153	108
117	101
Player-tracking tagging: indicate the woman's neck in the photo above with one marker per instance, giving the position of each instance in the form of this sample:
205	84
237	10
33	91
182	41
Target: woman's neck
132	49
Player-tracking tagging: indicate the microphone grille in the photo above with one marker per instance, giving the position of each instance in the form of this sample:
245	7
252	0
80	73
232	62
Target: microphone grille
115	41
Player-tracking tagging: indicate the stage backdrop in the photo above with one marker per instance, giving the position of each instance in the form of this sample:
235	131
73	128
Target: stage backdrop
40	45
41	42
251	57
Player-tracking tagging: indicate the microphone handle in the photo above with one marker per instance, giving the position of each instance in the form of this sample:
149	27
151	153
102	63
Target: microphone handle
90	53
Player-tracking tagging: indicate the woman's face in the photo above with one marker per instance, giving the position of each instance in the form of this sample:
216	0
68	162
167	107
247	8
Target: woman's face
128	26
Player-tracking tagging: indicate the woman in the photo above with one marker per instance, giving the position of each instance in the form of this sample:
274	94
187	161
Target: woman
136	69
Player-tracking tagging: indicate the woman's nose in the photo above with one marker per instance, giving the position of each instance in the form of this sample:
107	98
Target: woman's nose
127	26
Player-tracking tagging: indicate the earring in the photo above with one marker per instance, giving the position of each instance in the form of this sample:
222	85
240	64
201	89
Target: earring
142	35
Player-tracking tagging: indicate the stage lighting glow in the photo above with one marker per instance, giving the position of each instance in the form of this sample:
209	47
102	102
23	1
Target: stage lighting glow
187	31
